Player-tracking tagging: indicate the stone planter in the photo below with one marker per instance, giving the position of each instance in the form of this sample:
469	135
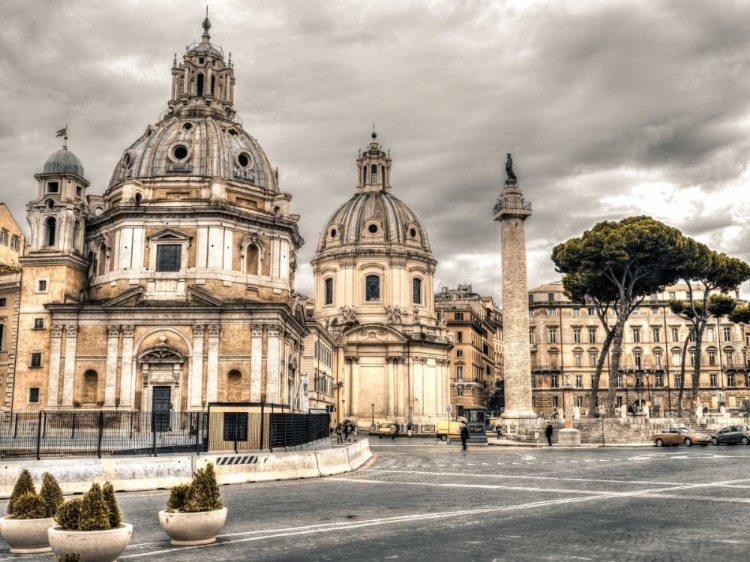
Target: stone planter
200	527
26	536
90	546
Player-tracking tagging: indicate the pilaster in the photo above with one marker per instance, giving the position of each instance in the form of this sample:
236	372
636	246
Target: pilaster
195	382
53	381
212	382
256	362
127	385
71	339
273	364
110	381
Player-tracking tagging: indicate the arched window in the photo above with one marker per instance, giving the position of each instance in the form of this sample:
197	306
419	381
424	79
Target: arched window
374	175
51	224
199	85
234	386
252	262
90	387
382	173
101	260
138	198
416	290
364	175
372	288
329	290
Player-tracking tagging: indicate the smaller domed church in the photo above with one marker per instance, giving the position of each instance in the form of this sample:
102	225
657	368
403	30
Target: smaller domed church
373	273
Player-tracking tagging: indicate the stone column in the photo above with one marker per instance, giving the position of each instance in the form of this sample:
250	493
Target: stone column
511	211
71	337
53	380
354	409
127	384
195	382
212	379
390	394
256	362
273	361
110	384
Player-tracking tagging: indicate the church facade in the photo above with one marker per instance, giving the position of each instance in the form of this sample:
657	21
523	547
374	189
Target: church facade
174	288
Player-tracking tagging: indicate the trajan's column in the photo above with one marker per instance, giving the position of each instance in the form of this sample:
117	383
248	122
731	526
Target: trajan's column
511	210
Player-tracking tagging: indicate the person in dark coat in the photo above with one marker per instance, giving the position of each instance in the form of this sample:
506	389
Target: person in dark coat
464	435
548	432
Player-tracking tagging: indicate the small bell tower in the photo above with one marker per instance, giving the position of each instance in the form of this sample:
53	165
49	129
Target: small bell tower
374	168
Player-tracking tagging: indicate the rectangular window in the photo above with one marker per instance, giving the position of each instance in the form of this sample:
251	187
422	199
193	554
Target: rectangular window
4	237
672	295
592	335
79	191
460	372
3	302
416	293
676	357
619	381
329	291
459	353
638	360
675	334
554	402
53	187
36	360
692	357
591	311
636	335
579	381
15	243
654	311
659	379
657	360
235	426
713	380
34	396
730	358
656	333
372	288
41	285
168	257
709	334
554	382
727	333
553	335
576	335
578	359
691	335
619	401
677	381
579	401
2	337
592	358
532	337
458	316
552	312
459	337
576	311
551	297
730	379
712	358
39	323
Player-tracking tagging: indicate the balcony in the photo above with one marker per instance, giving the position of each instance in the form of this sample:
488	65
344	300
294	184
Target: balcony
545	368
511	206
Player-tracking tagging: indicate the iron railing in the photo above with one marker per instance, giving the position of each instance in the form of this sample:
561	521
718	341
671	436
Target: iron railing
37	434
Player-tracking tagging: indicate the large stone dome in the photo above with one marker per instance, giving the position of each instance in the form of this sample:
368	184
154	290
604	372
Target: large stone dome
374	218
63	162
196	145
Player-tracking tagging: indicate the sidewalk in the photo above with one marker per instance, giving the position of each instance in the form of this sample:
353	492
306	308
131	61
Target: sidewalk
543	443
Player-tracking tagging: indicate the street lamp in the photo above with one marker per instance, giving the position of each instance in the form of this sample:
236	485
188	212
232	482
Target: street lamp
338	385
372	425
639	390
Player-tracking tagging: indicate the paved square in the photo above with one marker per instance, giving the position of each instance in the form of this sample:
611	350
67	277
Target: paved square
424	501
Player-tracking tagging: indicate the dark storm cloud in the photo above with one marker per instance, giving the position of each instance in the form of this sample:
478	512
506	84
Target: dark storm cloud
593	100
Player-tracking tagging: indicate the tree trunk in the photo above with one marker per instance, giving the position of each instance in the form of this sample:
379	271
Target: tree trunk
682	377
594	393
697	366
614	366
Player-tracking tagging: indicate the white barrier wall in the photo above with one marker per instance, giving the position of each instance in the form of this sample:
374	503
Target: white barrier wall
151	473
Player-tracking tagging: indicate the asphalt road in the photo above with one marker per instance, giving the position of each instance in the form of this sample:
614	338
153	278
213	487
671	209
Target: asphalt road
425	501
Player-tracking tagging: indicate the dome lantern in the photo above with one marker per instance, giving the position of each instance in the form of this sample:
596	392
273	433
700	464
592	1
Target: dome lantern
374	168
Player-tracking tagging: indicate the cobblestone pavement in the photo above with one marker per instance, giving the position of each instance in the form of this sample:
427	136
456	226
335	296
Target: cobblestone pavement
429	501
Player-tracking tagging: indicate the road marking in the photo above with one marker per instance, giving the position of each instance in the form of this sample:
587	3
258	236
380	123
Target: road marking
337	527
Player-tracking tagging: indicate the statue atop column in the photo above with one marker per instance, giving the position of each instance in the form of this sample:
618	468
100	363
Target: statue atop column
509	168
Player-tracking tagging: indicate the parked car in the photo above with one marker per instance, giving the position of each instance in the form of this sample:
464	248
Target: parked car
386	429
446	428
680	436
732	434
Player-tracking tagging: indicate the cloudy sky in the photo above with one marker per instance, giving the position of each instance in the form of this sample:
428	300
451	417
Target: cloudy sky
610	108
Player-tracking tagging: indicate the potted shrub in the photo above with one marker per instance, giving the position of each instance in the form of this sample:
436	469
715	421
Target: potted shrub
194	513
90	529
31	514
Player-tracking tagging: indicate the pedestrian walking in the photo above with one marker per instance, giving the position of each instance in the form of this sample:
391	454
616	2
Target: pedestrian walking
346	432
548	432
339	431
355	429
408	430
394	433
464	435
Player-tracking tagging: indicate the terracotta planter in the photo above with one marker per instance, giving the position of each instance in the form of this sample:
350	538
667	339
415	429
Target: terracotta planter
200	527
26	536
91	546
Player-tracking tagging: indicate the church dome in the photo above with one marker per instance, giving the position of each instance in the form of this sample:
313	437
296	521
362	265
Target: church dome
196	145
63	162
374	218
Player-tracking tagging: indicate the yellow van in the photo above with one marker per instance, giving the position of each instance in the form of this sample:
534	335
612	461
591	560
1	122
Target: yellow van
448	428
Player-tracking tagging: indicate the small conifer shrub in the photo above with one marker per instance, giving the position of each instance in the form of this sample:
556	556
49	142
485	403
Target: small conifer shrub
51	494
24	485
115	517
69	514
178	497
94	510
97	510
30	506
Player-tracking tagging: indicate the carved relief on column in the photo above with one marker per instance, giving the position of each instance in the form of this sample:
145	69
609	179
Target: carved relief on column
212	382
110	379
273	364
53	376
127	384
195	382
71	336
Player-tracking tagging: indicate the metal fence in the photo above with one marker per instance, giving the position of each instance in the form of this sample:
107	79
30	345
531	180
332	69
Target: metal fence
100	433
